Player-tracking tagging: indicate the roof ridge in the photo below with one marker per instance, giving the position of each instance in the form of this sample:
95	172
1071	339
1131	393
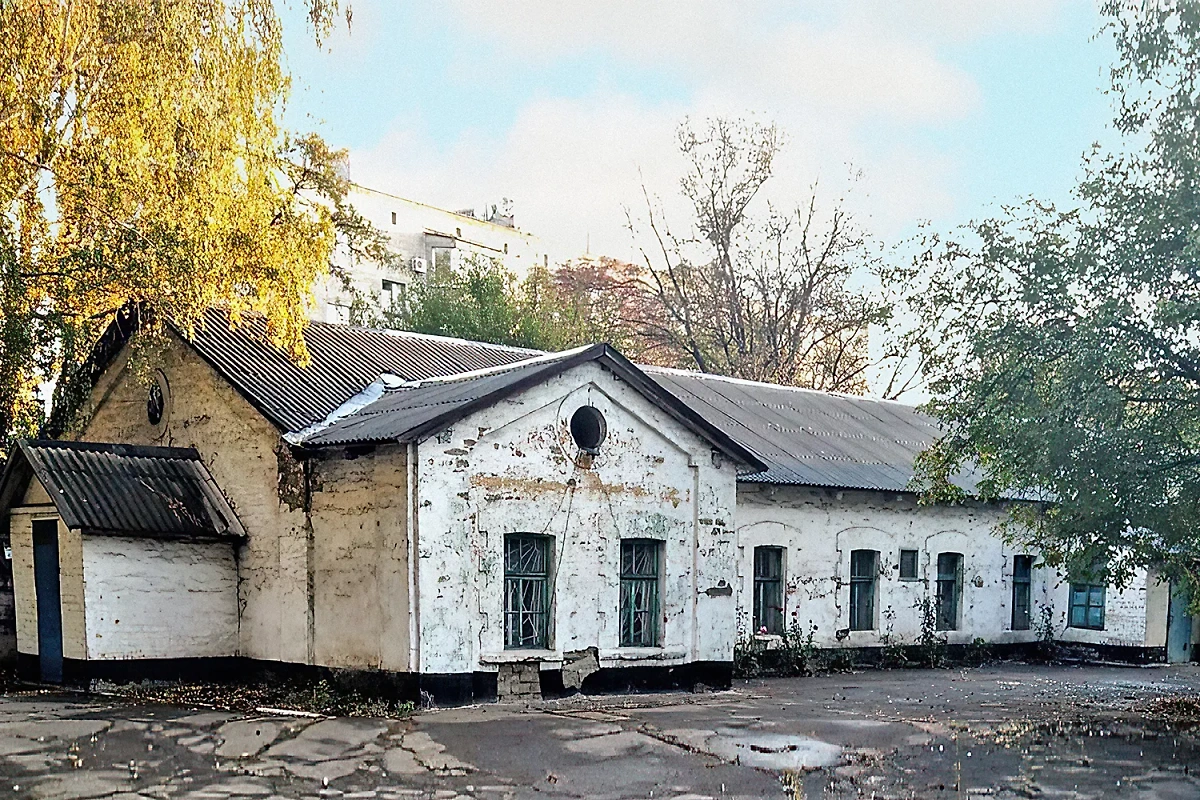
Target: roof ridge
115	448
483	372
402	334
690	373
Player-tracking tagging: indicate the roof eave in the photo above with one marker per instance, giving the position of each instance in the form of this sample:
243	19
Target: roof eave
603	354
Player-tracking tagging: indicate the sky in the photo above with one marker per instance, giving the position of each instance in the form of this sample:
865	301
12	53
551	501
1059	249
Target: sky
907	110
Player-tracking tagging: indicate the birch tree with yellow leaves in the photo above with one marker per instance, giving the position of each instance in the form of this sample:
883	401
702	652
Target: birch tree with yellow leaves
143	162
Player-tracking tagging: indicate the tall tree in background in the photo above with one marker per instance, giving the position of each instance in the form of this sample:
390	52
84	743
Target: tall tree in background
1065	354
581	302
758	297
478	300
142	162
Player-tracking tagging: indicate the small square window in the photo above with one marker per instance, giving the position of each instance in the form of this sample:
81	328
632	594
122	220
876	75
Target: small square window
908	565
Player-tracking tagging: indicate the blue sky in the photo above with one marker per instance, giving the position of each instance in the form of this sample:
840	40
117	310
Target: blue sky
946	107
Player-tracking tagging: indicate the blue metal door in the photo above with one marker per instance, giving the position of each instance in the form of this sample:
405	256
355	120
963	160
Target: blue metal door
49	602
1179	627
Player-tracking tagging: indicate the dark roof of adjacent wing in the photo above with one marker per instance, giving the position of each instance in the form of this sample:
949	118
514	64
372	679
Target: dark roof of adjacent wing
127	490
345	359
807	437
406	414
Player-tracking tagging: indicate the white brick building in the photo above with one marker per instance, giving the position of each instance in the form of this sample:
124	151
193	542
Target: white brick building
422	237
472	520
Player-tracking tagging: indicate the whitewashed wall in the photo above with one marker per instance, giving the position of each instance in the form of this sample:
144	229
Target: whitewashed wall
146	598
1126	614
819	528
512	468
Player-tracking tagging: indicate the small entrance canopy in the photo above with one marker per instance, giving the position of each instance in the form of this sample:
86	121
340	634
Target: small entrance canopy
123	490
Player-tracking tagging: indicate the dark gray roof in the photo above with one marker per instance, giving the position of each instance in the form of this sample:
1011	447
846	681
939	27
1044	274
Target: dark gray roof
802	437
409	413
345	359
807	437
159	492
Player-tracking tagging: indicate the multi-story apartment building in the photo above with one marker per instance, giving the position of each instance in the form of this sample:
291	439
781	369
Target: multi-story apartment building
423	238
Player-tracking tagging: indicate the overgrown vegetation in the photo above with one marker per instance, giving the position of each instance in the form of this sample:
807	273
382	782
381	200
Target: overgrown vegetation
931	645
793	653
319	697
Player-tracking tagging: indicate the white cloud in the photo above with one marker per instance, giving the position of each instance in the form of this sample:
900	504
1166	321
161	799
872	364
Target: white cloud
831	77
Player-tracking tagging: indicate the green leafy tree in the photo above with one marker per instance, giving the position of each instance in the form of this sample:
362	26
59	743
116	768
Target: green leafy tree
479	300
1063	346
142	163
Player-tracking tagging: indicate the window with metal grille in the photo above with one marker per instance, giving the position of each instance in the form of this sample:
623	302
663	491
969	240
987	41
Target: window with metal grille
864	576
641	561
1087	606
526	590
1022	580
908	565
768	590
949	590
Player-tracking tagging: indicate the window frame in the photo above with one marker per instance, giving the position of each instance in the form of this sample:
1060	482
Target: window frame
916	564
768	587
864	580
1022	584
518	579
942	621
1089	590
643	584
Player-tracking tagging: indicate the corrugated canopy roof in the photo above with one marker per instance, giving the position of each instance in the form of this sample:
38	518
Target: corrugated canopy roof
125	490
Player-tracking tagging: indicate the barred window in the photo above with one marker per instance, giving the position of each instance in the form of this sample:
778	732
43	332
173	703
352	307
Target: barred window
864	576
641	561
1022	581
768	590
526	590
949	590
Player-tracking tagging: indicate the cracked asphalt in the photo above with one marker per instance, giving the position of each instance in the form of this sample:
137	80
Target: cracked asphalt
1004	731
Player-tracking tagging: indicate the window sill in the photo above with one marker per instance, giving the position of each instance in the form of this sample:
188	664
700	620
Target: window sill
641	654
521	657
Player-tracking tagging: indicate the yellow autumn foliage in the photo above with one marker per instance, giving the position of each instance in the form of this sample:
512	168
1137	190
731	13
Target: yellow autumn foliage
142	162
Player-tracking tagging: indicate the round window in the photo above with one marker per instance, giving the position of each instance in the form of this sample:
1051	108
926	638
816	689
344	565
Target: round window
156	402
588	429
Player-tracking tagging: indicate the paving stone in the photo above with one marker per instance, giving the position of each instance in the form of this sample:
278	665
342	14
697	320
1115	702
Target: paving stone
328	739
399	761
432	755
245	738
80	785
206	719
324	770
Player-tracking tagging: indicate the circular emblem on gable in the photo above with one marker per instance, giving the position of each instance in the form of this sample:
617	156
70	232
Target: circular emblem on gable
588	429
156	400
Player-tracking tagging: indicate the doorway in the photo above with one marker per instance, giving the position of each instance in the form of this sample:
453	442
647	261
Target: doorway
49	599
1179	626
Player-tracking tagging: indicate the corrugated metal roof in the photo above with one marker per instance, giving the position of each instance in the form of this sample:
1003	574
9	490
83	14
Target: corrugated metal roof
399	413
811	438
160	492
408	413
345	359
804	437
